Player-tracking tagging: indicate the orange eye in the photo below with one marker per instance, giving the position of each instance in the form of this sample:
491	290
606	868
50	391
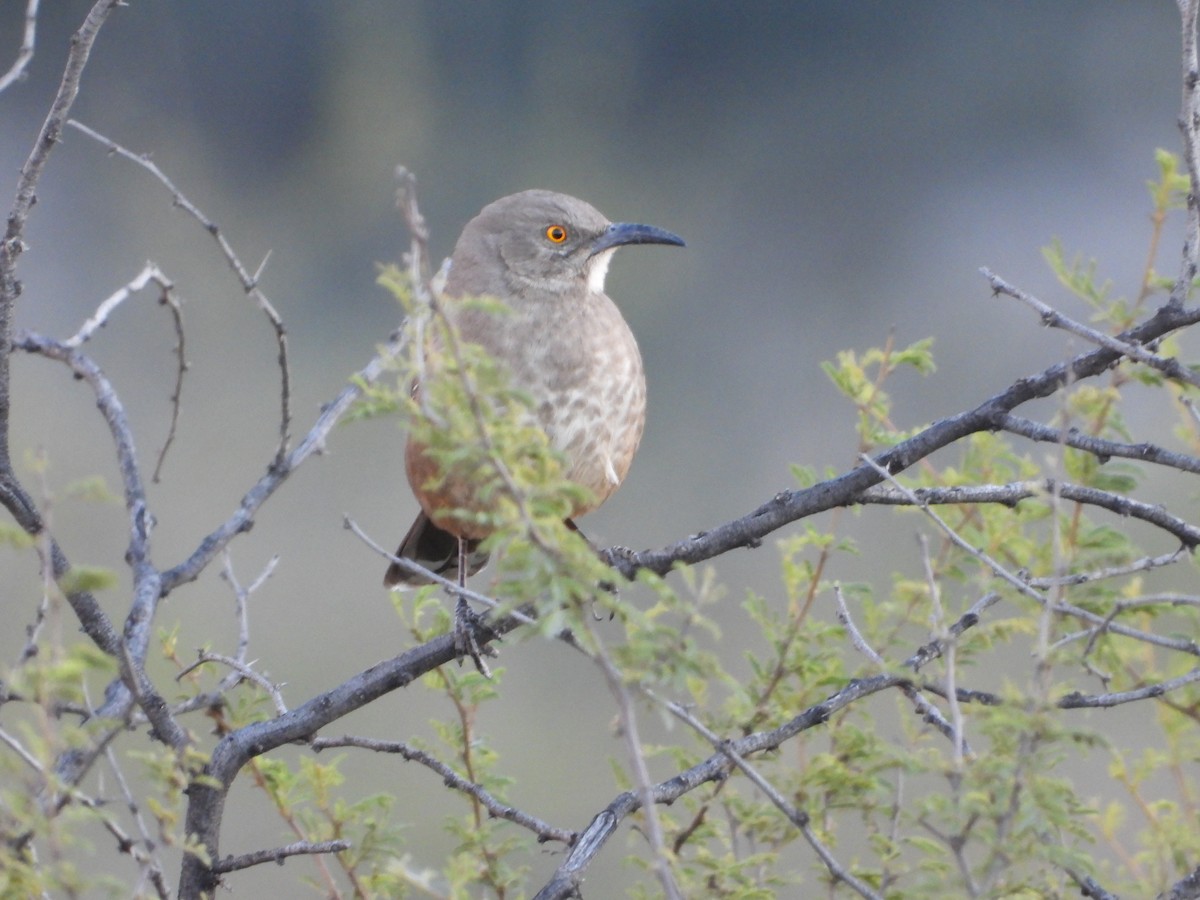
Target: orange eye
556	234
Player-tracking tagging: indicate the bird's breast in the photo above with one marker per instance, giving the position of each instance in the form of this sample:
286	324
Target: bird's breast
583	369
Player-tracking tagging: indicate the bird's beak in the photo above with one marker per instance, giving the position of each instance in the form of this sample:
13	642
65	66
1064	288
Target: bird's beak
619	234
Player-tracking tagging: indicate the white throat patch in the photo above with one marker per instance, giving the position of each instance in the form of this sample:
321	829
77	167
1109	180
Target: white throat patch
599	269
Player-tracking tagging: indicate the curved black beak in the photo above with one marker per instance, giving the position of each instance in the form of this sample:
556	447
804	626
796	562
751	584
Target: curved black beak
619	234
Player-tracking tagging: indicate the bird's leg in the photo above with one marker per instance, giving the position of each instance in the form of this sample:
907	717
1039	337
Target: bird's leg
466	622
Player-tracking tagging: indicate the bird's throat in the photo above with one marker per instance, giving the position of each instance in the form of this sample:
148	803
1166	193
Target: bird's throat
598	270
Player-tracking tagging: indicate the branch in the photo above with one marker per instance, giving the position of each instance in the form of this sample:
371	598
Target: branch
641	772
570	874
544	831
1012	494
929	713
13	242
1021	585
25	52
207	792
790	506
1054	319
249	282
278	854
12	495
1076	700
797	817
1099	447
243	670
313	442
1189	127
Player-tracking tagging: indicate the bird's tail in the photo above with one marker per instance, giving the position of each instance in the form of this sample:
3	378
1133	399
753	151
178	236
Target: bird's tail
437	550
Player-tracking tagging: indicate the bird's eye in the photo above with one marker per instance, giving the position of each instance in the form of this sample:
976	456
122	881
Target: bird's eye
556	234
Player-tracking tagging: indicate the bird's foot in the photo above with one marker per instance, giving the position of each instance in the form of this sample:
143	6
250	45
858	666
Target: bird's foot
623	559
467	627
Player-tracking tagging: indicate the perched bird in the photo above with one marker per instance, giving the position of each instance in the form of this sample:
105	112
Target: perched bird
563	341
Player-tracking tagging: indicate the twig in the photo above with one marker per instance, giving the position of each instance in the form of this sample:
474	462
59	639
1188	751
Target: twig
1145	564
797	817
248	282
150	273
18	748
949	646
12	495
167	298
641	772
244	670
921	498
265	487
25	52
1189	127
567	878
1076	700
147	858
544	831
1101	448
242	596
929	713
278	854
969	619
1051	317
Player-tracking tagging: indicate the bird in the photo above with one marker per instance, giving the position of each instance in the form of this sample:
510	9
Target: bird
563	341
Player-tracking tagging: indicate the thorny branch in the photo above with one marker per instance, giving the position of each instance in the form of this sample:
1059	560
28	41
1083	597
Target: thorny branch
249	282
544	831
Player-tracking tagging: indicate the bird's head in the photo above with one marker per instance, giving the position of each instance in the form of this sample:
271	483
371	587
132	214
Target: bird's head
541	241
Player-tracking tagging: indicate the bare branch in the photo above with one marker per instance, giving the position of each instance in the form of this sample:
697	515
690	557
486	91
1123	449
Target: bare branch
150	273
452	779
969	619
12	495
244	670
1051	317
278	854
265	487
147	857
25	52
168	299
242	596
1145	564
1076	700
18	748
1015	492
248	282
1099	447
1189	127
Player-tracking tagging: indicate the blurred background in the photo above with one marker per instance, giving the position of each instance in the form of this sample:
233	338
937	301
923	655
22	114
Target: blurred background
840	171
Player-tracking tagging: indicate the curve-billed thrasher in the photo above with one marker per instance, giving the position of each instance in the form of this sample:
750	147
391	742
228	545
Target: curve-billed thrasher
563	341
